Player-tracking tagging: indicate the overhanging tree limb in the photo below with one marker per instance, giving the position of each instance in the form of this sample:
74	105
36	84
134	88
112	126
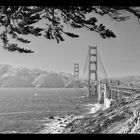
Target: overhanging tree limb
27	16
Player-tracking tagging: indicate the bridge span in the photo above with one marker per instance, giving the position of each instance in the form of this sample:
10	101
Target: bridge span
110	93
104	89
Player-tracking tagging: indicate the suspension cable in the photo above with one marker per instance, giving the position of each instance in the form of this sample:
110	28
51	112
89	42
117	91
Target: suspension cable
85	64
102	65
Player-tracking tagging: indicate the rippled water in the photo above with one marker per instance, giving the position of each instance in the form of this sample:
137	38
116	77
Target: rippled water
24	110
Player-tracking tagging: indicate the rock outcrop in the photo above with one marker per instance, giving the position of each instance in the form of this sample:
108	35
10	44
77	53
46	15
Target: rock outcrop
121	117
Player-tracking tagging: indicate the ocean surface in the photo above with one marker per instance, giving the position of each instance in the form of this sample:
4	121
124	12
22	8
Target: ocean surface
23	110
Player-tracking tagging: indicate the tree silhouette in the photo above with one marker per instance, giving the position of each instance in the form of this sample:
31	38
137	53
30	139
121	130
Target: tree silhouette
18	21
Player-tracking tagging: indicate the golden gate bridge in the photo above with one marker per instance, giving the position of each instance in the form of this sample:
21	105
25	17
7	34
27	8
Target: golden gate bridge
96	77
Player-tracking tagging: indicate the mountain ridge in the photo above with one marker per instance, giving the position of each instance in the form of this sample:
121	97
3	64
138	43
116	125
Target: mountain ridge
13	76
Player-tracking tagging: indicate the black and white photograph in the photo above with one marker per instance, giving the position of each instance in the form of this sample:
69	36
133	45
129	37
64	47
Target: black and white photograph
70	69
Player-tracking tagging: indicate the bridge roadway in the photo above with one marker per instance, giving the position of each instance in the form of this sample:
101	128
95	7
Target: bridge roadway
114	93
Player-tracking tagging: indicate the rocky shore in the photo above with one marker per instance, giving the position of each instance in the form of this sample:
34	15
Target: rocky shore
57	124
122	117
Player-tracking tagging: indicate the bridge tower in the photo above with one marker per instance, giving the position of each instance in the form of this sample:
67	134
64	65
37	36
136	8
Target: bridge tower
76	73
93	77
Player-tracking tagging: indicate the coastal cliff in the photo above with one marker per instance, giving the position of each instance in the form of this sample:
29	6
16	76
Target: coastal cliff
122	117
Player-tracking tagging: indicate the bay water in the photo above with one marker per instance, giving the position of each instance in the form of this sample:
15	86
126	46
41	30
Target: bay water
23	110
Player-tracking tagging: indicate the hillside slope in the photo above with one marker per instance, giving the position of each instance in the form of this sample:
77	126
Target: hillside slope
51	80
122	117
15	77
12	76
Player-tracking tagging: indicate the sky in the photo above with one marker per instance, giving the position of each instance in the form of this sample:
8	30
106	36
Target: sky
120	56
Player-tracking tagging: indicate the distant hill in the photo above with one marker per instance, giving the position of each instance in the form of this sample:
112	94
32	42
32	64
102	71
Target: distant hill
132	80
11	76
50	80
78	84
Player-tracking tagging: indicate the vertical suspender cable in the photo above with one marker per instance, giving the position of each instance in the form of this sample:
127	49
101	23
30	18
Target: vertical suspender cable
85	65
102	65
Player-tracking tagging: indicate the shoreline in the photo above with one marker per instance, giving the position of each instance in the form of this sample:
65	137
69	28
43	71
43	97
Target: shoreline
57	124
